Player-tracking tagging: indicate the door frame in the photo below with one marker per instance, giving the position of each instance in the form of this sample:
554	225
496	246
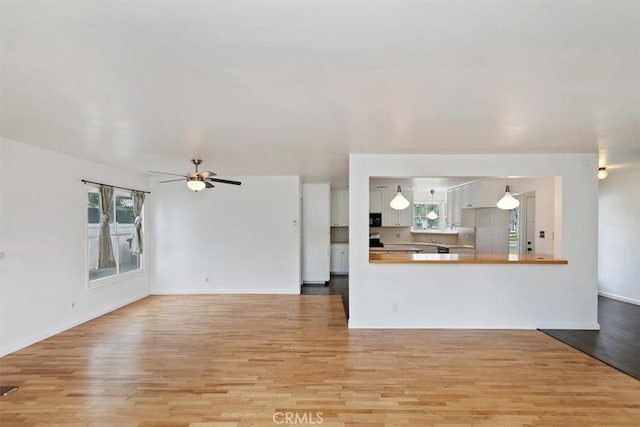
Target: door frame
522	222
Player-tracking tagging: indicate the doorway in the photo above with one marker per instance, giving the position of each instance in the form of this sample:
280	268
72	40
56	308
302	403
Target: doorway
522	225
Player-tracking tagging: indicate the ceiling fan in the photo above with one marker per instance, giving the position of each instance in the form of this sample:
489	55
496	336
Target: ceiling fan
197	181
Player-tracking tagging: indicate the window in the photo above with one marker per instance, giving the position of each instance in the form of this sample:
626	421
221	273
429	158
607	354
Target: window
121	236
420	220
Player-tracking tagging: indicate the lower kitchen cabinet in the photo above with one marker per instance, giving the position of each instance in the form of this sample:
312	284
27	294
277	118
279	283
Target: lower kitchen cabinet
339	258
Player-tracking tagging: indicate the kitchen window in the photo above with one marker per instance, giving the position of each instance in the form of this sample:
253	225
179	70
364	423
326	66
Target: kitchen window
420	220
121	228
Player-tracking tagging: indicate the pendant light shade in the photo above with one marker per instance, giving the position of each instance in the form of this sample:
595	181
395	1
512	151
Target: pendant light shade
603	173
399	202
432	215
195	185
508	202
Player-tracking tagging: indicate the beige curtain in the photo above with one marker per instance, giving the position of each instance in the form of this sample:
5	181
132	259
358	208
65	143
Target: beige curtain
138	201
105	249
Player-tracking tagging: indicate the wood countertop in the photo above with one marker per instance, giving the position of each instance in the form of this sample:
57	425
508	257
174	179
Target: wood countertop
422	258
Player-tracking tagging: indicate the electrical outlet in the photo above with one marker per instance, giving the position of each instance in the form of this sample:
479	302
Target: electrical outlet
206	279
397	235
542	234
73	305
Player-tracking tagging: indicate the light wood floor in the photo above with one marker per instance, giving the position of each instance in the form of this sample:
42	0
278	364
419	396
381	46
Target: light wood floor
235	360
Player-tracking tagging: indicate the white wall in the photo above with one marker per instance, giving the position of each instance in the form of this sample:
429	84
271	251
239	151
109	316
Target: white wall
228	239
43	208
479	296
619	236
316	237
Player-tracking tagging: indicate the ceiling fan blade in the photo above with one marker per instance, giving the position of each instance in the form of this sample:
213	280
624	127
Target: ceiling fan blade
171	180
225	181
168	173
208	184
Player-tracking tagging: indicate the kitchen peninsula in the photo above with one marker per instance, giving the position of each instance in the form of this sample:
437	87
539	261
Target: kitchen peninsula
439	290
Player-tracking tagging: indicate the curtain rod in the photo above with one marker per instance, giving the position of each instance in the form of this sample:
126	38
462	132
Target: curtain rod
84	181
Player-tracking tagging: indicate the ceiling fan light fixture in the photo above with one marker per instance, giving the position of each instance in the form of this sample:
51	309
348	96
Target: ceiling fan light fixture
195	185
399	202
508	202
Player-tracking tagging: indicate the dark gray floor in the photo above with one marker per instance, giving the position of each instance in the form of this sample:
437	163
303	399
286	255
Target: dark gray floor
338	285
617	343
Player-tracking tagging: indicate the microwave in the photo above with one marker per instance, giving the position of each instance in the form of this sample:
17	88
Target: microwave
375	220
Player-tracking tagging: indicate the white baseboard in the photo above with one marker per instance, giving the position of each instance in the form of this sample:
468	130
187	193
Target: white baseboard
57	330
216	292
574	326
183	292
619	298
355	324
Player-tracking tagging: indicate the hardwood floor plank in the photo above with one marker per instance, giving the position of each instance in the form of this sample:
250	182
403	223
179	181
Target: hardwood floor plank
242	359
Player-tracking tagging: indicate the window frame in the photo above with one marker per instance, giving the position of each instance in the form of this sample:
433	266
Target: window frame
441	210
118	277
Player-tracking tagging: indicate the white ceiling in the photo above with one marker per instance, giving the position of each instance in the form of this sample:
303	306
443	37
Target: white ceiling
292	87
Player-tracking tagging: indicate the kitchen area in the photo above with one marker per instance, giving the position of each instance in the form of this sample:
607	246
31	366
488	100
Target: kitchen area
459	222
457	216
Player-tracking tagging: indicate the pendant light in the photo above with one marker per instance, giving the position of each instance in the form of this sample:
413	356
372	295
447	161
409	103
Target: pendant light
508	202
195	184
432	215
602	173
399	202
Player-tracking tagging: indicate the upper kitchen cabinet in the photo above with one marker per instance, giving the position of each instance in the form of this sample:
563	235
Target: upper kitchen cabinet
465	196
340	208
484	194
375	201
476	194
392	217
454	206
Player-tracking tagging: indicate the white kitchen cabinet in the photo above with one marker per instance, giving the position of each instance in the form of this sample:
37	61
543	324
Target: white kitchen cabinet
340	208
339	258
484	194
405	216
375	201
456	206
465	196
389	216
476	194
392	217
450	206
